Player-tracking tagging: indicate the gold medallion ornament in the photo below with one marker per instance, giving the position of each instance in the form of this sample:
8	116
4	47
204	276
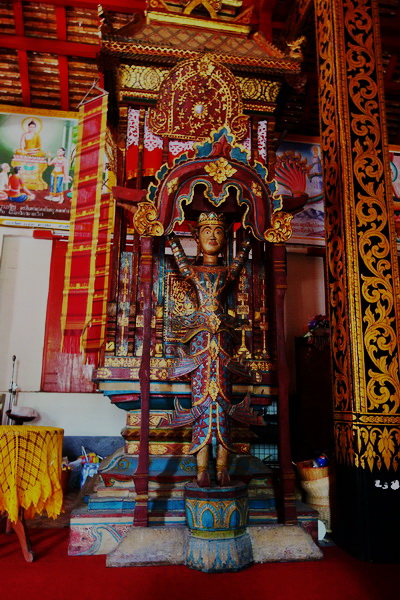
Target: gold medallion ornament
192	91
220	170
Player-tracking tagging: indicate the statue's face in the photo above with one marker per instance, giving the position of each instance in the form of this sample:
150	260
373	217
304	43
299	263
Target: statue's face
212	239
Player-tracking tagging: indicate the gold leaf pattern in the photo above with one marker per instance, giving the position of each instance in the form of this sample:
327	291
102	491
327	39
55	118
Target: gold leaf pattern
145	220
281	228
362	283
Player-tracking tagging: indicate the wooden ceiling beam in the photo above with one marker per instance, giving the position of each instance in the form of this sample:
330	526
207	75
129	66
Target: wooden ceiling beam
263	13
123	6
61	22
22	55
59	47
19	18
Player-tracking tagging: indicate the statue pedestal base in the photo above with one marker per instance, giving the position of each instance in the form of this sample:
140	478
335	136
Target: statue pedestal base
217	518
218	554
216	538
151	546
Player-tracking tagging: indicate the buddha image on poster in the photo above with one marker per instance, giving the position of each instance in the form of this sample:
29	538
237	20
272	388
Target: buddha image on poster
37	156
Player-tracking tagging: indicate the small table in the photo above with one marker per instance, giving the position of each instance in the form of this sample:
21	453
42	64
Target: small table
30	471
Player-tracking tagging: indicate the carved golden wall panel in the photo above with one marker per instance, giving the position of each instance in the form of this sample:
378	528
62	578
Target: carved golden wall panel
361	250
258	89
141	78
137	81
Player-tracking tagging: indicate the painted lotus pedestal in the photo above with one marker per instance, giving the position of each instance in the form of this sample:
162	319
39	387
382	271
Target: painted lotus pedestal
217	519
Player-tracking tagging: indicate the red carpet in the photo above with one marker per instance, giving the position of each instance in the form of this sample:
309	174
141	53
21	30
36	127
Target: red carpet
55	575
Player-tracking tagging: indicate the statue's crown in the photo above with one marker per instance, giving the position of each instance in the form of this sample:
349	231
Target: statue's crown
211	218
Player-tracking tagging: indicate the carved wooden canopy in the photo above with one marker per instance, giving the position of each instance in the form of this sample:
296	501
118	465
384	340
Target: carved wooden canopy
217	176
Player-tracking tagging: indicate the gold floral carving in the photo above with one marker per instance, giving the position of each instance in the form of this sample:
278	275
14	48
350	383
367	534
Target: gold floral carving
111	153
259	89
141	78
220	170
104	373
333	217
378	447
121	362
145	220
149	79
172	185
281	228
256	189
212	7
363	283
295	50
158	449
182	296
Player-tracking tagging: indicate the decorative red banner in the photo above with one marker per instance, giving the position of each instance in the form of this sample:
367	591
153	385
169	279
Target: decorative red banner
87	260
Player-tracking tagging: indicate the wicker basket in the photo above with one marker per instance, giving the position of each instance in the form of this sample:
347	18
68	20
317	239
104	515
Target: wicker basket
317	497
309	473
316	488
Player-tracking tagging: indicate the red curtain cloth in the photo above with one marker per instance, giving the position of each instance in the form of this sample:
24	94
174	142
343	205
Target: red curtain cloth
152	147
61	371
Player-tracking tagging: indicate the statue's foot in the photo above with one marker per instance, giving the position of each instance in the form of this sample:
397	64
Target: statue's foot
203	479
223	478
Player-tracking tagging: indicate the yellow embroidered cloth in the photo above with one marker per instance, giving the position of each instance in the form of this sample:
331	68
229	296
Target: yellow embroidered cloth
30	470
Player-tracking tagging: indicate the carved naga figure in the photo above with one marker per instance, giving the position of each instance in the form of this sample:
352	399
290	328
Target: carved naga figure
210	333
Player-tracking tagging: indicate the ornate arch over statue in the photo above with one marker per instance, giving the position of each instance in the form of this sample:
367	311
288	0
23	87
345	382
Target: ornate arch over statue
218	175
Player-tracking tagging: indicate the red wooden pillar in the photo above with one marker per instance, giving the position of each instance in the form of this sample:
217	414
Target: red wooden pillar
141	476
286	469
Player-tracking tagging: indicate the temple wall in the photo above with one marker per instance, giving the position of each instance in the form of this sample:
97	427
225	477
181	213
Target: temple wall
24	275
305	298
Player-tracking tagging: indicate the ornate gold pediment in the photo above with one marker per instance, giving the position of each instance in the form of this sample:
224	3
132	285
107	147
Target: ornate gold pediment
193	91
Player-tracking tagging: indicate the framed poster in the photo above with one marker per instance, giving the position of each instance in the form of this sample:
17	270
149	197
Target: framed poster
37	159
394	155
302	173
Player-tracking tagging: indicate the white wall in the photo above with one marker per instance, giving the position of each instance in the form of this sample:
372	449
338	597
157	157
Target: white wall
24	282
78	414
